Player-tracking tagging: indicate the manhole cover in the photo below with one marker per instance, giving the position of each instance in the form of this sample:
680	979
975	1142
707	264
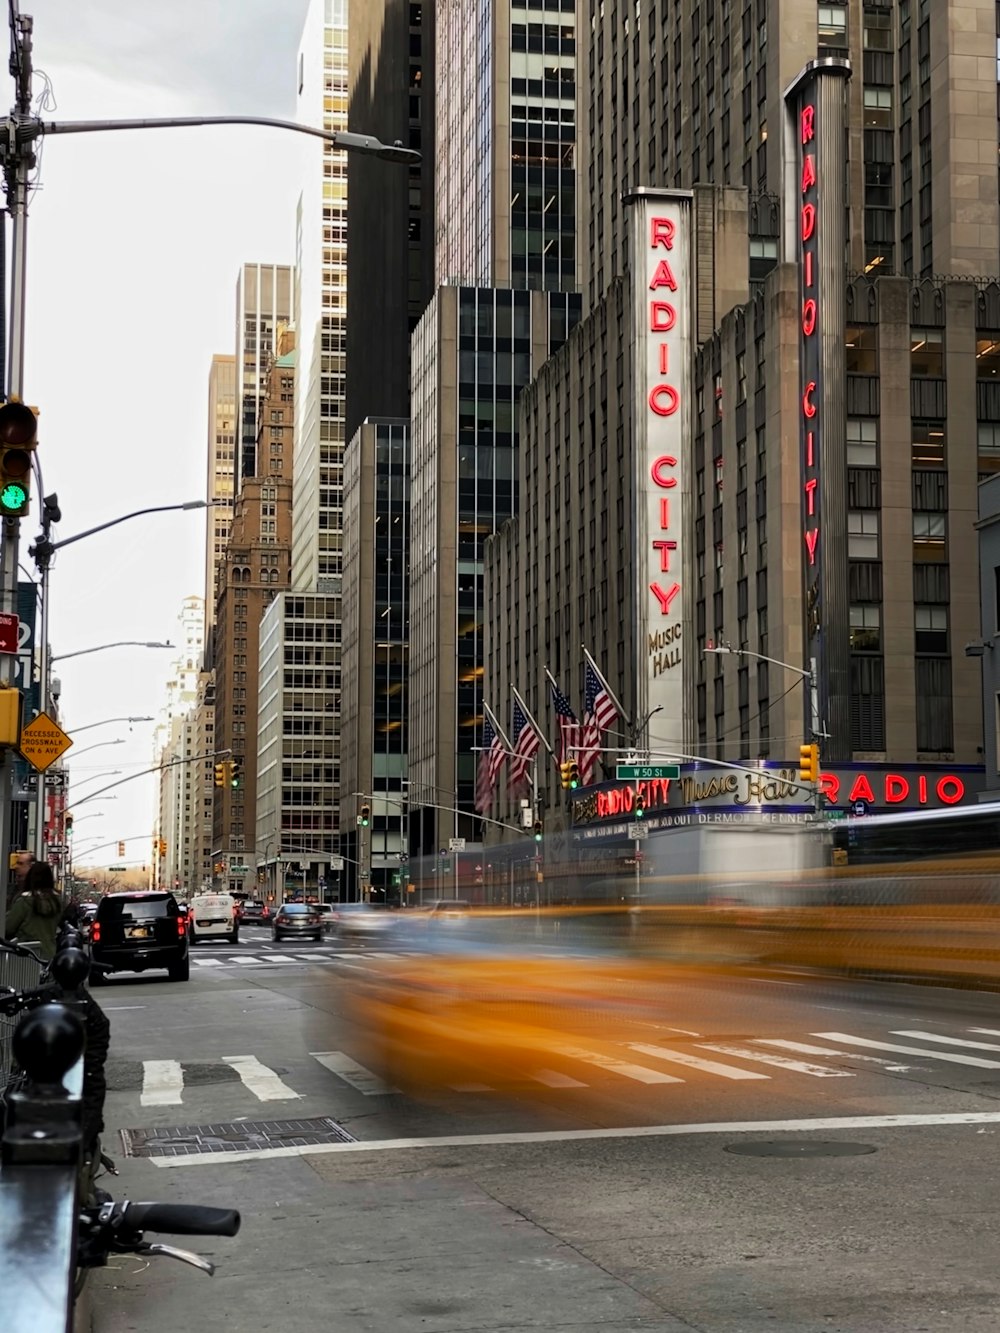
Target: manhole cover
240	1136
803	1148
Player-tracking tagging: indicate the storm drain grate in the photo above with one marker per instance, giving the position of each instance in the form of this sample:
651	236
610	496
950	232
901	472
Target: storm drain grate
241	1136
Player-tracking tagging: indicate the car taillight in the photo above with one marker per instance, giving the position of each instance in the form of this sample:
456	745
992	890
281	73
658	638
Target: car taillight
182	925
95	932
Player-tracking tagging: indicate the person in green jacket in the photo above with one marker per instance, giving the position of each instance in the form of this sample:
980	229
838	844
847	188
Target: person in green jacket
36	914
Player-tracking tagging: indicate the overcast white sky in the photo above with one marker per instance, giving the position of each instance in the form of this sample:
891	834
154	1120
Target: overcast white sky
134	245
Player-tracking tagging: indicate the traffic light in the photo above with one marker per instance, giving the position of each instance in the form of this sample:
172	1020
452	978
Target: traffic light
538	830
365	818
121	849
639	806
220	773
18	439
808	763
235	776
569	775
68	825
163	846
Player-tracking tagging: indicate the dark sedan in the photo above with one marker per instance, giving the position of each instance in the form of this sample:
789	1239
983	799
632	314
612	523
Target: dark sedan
297	919
254	913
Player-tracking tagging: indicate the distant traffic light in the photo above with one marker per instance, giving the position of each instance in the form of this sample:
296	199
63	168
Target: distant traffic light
235	775
639	806
163	846
569	775
121	848
808	763
220	773
68	825
365	818
538	830
18	439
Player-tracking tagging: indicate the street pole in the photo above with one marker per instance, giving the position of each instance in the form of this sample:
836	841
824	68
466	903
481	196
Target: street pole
18	161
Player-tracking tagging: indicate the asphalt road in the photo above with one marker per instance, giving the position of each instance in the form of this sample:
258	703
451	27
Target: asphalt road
771	1152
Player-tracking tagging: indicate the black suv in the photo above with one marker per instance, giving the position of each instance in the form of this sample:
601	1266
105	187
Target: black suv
133	931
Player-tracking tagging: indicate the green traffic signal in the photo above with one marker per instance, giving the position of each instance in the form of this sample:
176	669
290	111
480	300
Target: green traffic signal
538	830
13	498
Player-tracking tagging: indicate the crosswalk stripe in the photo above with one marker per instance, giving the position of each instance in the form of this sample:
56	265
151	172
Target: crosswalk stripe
638	1073
806	1048
208	962
987	1032
779	1061
950	1041
553	1079
357	1076
953	1057
264	1083
695	1062
162	1083
314	957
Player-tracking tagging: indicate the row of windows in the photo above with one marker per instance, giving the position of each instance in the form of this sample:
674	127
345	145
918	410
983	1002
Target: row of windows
930	625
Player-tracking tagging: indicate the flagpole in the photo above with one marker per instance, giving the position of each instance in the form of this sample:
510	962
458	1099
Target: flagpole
496	725
611	694
538	731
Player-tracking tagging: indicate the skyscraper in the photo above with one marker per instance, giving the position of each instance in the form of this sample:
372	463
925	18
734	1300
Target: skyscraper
263	308
221	482
839	395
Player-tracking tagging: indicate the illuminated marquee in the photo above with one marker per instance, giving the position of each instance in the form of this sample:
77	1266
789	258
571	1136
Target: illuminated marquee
662	322
811	365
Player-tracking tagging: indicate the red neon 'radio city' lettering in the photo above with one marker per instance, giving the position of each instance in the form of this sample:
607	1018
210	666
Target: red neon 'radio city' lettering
949	789
808	223
664	401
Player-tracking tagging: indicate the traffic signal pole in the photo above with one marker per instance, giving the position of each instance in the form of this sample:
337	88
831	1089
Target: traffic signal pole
18	161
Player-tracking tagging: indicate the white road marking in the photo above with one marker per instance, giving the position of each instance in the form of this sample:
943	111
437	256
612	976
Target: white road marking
695	1062
950	1041
208	962
824	1124
778	1061
553	1079
987	1032
805	1048
117	1008
162	1083
638	1073
357	1076
264	1083
909	1050
314	957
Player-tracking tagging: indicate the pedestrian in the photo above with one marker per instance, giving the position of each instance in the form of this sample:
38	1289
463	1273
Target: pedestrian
36	914
23	861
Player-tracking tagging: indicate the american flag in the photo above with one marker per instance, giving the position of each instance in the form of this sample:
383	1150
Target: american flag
569	727
490	763
526	743
599	713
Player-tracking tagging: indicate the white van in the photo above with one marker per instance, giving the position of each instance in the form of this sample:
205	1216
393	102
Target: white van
212	915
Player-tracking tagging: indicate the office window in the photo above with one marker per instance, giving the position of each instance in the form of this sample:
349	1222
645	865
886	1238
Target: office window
989	449
862	442
931	629
928	444
878	108
988	356
866	629
832	25
927	352
862	534
930	536
862	349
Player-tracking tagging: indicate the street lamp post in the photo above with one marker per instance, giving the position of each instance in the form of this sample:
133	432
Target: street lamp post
107	721
121	643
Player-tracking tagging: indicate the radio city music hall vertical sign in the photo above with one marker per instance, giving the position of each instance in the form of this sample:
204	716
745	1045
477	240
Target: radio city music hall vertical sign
816	187
661	299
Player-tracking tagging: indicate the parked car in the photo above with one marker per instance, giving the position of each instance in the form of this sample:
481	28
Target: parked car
214	915
297	919
135	931
360	921
255	913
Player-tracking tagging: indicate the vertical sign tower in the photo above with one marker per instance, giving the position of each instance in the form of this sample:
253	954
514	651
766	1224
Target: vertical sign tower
815	238
661	314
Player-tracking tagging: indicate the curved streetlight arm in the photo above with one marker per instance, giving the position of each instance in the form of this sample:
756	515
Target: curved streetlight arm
122	643
760	657
106	721
358	143
46	547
